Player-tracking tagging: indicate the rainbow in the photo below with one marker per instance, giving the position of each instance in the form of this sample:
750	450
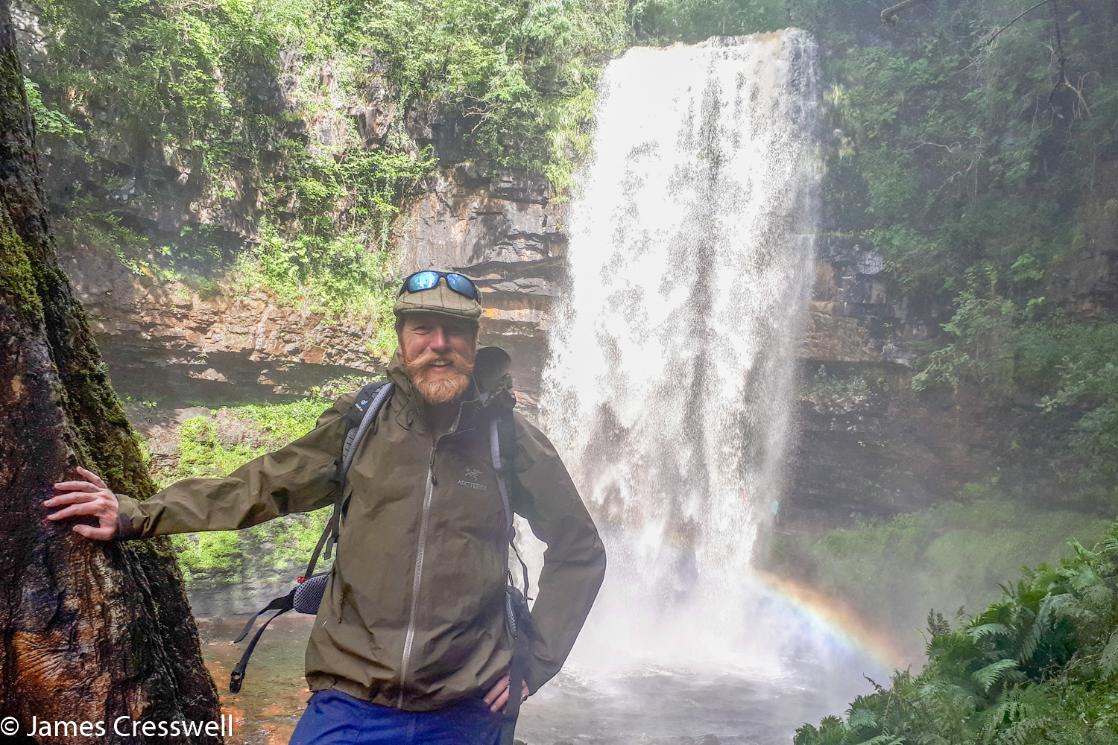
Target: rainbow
836	618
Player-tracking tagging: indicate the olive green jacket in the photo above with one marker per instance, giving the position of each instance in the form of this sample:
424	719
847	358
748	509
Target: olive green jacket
413	615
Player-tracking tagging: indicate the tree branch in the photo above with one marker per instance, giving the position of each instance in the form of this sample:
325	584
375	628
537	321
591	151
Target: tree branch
889	15
989	40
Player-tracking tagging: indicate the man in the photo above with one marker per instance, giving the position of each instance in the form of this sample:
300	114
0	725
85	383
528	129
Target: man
409	644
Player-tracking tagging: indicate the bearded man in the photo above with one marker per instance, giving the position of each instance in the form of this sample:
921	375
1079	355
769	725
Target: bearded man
409	645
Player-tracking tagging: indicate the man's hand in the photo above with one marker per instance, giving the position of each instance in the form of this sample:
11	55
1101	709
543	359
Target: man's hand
498	695
87	498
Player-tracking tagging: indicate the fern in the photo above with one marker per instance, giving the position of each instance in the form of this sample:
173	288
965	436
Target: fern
1000	612
1069	608
1052	607
1109	544
988	630
930	738
1098	597
951	648
1008	712
861	719
883	740
1038	667
1019	732
1081	578
988	676
831	731
937	624
1108	660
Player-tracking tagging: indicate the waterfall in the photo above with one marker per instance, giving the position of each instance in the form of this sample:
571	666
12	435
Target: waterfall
669	390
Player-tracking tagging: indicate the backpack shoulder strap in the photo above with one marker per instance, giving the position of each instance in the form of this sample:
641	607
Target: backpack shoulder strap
502	444
502	451
360	417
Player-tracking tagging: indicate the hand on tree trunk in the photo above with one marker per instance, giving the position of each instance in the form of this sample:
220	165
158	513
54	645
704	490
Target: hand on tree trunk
86	497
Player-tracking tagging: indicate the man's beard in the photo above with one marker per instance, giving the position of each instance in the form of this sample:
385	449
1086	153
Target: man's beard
439	388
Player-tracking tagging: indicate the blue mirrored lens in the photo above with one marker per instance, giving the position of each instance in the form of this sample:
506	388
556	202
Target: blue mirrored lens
421	281
461	284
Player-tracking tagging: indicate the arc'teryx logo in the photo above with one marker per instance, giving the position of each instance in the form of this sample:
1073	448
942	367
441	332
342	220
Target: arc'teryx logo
471	479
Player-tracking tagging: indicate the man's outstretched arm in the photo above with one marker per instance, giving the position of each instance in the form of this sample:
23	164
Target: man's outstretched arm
295	478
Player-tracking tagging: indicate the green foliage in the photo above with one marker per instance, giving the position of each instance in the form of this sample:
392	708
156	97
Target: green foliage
249	101
335	256
200	86
836	394
982	332
1066	368
202	455
338	277
1080	357
202	555
694	20
279	545
47	121
1034	667
279	424
188	76
953	554
521	75
979	169
943	139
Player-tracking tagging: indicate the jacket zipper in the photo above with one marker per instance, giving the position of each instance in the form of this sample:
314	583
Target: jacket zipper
417	577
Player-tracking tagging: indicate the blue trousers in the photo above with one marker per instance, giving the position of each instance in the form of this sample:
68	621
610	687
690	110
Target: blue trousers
335	718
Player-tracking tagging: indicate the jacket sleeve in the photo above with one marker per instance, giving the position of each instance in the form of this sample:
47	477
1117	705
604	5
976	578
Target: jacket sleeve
295	478
575	560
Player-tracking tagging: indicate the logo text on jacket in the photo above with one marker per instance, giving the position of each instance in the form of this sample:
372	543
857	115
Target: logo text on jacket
471	479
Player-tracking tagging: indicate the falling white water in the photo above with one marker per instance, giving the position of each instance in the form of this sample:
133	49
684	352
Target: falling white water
670	385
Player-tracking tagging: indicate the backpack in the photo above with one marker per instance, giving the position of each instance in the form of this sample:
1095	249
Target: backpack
490	368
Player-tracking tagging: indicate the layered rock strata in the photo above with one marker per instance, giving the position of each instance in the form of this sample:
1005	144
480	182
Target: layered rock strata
169	342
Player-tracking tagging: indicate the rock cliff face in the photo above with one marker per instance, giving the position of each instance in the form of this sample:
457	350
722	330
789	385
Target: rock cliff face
211	346
867	446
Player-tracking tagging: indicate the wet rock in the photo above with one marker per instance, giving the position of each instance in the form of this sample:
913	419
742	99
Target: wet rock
856	314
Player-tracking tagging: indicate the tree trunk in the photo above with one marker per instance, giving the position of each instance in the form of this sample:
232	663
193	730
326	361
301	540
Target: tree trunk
91	631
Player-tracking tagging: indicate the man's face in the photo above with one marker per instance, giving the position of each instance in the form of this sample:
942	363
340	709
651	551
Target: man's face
438	354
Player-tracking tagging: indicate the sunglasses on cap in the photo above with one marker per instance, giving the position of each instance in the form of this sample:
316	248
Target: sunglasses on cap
428	279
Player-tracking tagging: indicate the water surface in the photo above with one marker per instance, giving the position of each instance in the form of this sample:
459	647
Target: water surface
645	706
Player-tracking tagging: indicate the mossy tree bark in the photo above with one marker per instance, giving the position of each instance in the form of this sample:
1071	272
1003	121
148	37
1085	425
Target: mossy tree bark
90	631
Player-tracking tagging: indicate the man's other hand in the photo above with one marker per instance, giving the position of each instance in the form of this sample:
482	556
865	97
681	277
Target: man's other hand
89	497
498	695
